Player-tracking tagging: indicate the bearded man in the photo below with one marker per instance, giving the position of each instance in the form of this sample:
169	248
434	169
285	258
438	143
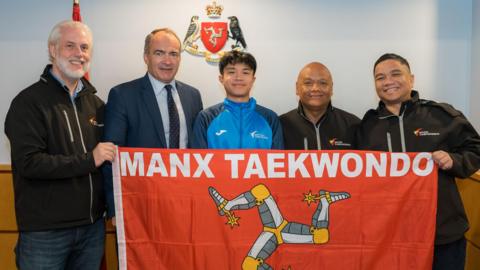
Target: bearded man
54	127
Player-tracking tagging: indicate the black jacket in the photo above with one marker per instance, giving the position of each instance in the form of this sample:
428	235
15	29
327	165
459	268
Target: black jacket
335	130
56	184
428	126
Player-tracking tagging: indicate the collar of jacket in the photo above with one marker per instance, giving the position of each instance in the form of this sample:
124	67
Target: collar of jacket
236	107
301	112
47	78
406	107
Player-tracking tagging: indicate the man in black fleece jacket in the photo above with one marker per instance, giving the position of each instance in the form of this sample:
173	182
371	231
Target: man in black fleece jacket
54	128
403	122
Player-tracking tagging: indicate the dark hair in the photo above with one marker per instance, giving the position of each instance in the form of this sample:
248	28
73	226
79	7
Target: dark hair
391	56
237	57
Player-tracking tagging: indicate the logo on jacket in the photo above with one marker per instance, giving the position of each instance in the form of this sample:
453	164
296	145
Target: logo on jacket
420	132
220	132
336	142
214	35
93	122
256	135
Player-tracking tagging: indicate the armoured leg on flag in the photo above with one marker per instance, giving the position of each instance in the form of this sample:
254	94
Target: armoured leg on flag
243	201
259	196
297	233
319	228
267	207
263	247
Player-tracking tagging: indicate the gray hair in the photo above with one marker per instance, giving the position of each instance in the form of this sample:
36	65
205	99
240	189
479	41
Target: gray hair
56	32
149	37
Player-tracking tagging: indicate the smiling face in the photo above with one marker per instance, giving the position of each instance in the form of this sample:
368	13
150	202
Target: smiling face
71	53
393	82
314	87
163	57
237	79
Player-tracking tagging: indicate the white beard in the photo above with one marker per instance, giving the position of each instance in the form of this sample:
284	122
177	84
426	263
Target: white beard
63	65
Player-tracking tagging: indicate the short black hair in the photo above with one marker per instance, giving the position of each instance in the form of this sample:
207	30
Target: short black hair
237	57
391	56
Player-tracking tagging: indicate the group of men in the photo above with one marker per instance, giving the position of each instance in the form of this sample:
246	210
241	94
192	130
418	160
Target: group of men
63	138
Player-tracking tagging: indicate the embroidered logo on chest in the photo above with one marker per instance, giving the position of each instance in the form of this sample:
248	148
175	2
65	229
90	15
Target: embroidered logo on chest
93	122
220	132
419	132
256	135
337	142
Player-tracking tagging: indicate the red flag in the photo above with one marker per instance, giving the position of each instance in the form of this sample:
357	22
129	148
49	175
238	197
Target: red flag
242	209
78	18
76	11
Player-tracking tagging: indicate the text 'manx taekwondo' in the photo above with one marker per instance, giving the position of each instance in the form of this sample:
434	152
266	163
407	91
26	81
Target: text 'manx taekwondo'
275	165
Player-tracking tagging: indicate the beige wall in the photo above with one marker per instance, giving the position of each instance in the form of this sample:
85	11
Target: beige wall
348	36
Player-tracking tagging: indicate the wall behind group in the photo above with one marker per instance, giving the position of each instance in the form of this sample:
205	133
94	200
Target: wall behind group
347	36
475	86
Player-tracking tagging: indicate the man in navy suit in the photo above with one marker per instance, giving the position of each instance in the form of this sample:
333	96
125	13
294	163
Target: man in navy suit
139	113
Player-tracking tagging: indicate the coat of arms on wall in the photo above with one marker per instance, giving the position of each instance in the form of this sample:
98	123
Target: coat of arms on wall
216	36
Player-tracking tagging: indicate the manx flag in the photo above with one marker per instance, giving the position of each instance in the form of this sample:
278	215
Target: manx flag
76	16
252	209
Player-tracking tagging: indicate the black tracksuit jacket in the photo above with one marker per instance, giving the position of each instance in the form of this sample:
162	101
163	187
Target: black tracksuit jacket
334	131
428	126
56	184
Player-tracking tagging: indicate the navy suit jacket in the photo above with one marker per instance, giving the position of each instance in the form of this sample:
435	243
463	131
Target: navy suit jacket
132	118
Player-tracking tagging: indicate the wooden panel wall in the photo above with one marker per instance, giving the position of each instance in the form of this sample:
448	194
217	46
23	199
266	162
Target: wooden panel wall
8	225
470	190
9	231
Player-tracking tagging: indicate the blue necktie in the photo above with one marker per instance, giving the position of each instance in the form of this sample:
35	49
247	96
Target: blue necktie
174	137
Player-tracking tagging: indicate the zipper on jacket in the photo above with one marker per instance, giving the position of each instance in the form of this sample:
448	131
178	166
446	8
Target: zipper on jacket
402	133
68	125
85	151
317	133
389	142
240	129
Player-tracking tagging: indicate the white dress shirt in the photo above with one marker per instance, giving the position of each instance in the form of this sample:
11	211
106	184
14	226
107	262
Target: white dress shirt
161	95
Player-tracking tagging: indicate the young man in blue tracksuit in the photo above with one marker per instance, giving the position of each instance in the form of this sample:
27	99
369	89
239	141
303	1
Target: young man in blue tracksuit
238	122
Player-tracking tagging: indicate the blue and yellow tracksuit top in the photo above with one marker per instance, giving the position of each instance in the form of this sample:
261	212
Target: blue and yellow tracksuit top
232	125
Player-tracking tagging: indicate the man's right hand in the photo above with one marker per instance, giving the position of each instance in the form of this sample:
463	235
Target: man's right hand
103	152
